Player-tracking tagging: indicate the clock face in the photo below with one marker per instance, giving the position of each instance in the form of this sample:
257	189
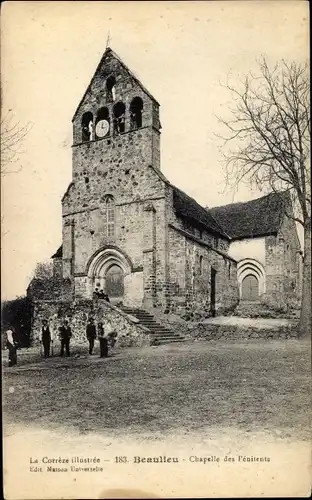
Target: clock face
102	127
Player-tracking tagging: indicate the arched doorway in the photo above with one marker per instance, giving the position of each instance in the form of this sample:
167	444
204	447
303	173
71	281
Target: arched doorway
250	288
107	270
114	282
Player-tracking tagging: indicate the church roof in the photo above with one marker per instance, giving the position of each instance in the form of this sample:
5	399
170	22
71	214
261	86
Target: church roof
187	207
110	51
58	253
260	217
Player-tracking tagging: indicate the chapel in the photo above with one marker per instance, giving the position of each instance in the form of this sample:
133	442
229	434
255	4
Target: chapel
128	231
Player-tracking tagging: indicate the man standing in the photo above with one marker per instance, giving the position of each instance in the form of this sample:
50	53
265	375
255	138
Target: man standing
102	336
11	345
65	334
46	338
91	334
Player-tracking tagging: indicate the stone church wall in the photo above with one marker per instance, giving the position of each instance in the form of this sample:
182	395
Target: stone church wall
121	169
282	266
190	277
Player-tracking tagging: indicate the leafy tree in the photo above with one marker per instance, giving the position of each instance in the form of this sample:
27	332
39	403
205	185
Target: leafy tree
16	313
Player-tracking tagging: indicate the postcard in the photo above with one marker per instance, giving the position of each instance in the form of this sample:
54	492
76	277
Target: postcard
156	249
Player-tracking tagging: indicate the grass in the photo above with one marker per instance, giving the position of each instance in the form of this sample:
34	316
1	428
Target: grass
251	386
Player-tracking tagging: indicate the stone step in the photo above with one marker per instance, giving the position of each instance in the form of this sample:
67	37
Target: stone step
169	341
160	334
168	337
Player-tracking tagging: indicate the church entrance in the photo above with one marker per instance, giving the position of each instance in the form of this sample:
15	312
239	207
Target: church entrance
114	282
107	270
250	288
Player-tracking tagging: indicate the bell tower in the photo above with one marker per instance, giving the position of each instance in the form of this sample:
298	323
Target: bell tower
115	104
115	158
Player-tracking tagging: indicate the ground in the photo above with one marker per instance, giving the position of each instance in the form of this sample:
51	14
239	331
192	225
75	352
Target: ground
245	386
229	402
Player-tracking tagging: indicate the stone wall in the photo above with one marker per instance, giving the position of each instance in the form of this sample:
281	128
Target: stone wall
282	267
130	334
249	248
202	331
191	262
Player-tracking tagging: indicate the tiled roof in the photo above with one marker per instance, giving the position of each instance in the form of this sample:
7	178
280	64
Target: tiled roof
187	207
253	218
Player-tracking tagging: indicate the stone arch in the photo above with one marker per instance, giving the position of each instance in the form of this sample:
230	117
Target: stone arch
251	267
87	127
119	111
136	108
110	88
102	262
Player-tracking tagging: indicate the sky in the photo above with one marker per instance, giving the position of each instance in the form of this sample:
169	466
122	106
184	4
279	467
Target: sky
181	51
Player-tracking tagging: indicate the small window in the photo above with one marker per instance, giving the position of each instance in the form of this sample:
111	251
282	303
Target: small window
136	108
119	118
109	217
201	264
87	127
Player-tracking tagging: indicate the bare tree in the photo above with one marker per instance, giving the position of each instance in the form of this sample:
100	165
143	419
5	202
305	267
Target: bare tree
267	145
12	137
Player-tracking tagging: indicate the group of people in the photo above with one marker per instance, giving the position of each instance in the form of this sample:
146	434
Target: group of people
103	333
100	294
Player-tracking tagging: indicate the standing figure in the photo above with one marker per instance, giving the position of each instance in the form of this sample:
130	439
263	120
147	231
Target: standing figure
102	336
46	338
11	345
91	334
91	130
65	334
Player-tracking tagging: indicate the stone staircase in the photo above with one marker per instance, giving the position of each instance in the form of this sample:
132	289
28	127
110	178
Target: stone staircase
161	334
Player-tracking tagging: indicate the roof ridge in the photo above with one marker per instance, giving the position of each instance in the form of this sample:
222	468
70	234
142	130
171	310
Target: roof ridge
248	201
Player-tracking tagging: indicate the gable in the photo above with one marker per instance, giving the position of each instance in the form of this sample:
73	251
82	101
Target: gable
255	218
125	80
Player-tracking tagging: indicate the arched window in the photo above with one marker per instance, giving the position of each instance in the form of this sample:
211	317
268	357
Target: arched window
102	114
119	117
136	108
87	127
110	89
109	217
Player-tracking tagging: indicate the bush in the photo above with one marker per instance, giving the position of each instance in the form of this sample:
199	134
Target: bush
16	313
